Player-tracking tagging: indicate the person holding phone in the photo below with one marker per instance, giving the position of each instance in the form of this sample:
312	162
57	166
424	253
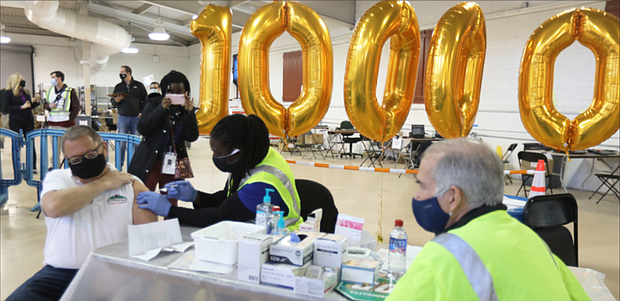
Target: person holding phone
19	104
167	122
240	146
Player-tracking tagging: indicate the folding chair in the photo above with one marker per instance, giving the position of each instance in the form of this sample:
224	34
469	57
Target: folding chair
312	145
314	195
506	157
527	160
609	180
374	152
547	215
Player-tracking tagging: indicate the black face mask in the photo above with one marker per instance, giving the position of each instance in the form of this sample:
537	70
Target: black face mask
89	168
22	83
222	163
122	76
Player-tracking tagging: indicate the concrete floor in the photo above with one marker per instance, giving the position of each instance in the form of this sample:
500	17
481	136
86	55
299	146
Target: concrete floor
378	197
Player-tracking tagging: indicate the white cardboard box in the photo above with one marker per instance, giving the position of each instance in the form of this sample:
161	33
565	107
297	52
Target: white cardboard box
360	271
253	252
313	222
330	250
281	274
317	287
285	251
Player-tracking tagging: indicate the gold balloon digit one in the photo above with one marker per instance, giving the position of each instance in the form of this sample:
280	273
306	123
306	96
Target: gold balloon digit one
599	32
388	19
214	29
454	70
259	32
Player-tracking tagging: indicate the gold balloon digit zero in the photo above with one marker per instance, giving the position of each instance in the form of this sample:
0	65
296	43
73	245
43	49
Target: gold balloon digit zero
599	32
454	70
259	32
214	29
387	19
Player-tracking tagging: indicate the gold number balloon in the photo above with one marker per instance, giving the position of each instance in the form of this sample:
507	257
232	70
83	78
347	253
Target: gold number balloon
259	32
599	32
214	29
388	19
454	70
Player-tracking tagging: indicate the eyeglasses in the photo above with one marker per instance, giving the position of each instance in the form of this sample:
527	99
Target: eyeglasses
91	154
236	150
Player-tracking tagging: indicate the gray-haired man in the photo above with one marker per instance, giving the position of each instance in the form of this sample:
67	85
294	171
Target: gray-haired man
86	207
480	252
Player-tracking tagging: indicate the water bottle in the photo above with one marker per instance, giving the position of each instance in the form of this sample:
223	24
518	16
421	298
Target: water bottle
397	257
264	212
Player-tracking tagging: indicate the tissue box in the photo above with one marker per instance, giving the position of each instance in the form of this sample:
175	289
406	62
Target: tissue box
317	287
360	271
281	274
330	250
253	252
285	251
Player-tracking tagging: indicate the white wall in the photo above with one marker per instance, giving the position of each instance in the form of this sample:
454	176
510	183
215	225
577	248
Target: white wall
62	54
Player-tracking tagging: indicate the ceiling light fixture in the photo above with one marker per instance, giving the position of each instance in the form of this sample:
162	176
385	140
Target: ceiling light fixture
4	39
159	33
130	49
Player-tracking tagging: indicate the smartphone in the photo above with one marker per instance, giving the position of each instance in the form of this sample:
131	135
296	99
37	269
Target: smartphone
176	99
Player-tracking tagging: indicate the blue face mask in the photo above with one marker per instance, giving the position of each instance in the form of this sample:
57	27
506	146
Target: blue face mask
429	215
54	82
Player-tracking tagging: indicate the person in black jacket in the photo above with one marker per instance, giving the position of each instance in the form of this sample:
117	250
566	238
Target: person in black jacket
160	123
19	104
240	146
129	108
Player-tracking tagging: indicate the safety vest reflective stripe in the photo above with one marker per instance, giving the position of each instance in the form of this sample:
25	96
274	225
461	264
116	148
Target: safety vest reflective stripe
60	113
281	176
473	267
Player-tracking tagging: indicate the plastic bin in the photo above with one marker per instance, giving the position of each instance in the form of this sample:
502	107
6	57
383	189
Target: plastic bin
220	242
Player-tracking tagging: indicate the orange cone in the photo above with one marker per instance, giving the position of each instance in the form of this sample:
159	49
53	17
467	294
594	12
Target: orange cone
538	184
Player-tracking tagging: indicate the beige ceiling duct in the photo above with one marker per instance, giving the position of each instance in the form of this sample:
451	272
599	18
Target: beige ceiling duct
108	37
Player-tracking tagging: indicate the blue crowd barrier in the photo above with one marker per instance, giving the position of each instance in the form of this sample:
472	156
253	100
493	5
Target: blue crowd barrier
29	141
16	145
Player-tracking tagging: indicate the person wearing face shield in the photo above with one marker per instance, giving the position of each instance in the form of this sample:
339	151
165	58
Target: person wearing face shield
479	251
240	146
165	127
86	207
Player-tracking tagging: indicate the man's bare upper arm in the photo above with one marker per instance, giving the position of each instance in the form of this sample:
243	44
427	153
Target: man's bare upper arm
141	216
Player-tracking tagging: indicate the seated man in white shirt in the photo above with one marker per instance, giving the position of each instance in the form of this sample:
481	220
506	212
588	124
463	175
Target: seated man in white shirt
86	207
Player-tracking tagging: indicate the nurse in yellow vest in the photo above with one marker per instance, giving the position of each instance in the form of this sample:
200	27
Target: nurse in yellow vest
480	252
240	147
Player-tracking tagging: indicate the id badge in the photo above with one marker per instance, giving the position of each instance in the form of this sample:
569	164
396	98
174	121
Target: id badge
169	165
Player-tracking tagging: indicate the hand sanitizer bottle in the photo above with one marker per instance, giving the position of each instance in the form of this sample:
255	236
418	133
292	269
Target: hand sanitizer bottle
264	212
280	230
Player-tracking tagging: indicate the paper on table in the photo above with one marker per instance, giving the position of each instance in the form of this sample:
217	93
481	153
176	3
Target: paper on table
179	247
153	235
189	262
351	227
148	255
